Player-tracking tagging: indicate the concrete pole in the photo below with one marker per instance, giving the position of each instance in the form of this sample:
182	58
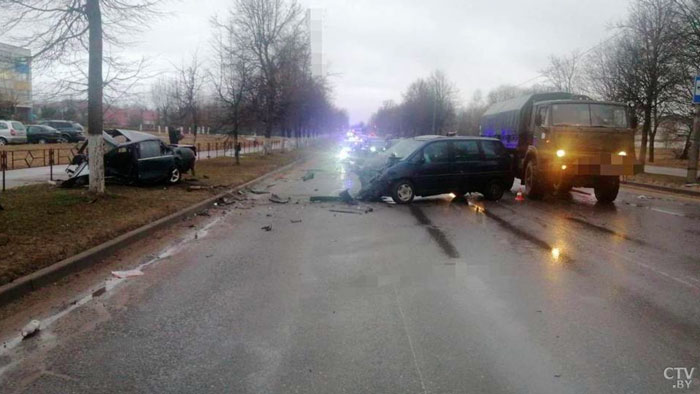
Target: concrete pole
694	148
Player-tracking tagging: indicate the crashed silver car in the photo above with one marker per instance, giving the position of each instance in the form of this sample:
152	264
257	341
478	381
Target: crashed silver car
135	158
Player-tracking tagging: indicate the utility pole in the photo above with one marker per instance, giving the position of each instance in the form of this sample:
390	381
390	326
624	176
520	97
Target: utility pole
694	148
692	176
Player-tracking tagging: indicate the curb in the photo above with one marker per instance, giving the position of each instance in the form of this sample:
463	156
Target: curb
48	275
662	188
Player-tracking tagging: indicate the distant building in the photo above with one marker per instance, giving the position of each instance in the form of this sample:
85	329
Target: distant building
314	24
15	82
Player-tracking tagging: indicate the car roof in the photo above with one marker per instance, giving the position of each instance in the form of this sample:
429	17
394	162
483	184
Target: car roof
130	136
548	102
452	138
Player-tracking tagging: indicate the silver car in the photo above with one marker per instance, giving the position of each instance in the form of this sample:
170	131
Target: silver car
12	132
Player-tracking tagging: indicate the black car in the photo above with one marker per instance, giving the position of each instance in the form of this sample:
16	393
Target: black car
134	157
431	165
41	134
69	132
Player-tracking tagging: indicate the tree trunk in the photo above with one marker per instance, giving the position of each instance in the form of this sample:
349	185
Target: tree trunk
268	135
95	141
652	139
645	134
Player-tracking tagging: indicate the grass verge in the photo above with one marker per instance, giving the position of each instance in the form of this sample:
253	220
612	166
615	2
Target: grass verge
41	224
662	180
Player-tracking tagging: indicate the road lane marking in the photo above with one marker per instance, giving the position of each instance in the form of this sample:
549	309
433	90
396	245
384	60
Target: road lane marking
410	341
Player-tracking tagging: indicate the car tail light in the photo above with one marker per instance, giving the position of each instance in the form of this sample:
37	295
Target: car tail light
13	132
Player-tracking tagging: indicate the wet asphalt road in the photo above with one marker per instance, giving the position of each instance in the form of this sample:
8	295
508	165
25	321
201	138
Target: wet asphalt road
438	297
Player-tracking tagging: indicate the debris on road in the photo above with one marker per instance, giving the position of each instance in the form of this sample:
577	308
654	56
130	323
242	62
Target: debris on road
192	188
203	213
258	191
345	211
308	176
99	292
225	201
31	329
346	197
127	274
324	199
295	220
266	228
278	200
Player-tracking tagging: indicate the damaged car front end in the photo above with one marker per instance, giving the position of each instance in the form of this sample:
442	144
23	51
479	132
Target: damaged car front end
134	158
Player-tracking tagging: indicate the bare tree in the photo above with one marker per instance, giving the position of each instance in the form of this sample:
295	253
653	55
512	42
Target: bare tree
563	72
58	28
187	93
265	28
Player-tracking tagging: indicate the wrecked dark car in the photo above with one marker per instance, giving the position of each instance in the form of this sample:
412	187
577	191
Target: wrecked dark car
432	165
135	158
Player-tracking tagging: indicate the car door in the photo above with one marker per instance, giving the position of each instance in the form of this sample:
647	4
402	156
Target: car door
467	163
496	161
154	162
433	171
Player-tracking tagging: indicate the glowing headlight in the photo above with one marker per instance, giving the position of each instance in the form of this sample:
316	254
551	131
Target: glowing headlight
561	153
372	149
343	154
622	153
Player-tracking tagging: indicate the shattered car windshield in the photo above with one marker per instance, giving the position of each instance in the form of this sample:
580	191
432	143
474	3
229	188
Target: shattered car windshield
404	148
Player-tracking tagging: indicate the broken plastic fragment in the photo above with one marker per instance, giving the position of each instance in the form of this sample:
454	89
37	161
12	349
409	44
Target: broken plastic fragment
31	329
277	199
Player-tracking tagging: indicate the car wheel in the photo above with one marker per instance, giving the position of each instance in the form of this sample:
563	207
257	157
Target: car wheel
175	176
3	141
533	186
42	141
63	139
402	192
494	190
607	188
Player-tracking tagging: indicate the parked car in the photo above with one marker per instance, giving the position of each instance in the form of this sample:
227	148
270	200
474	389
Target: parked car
41	134
431	165
12	132
69	133
135	158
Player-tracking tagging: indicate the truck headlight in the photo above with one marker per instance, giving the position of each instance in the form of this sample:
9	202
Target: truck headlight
372	149
561	153
622	153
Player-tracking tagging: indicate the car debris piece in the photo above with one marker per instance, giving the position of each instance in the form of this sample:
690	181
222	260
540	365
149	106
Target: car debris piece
31	329
258	191
345	211
127	274
324	199
198	187
308	176
278	200
225	201
266	228
295	220
346	197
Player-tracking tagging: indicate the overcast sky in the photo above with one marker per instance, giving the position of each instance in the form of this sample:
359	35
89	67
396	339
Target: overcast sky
373	49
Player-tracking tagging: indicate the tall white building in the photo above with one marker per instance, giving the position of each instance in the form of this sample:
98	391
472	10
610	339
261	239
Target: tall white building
314	23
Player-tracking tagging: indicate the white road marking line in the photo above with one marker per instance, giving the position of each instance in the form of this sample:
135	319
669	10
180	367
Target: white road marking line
410	341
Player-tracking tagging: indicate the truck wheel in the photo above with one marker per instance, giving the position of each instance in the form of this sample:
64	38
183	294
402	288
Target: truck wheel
494	190
606	188
562	187
402	191
533	186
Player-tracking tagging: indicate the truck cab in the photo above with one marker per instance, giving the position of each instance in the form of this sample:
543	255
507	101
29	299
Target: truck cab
560	141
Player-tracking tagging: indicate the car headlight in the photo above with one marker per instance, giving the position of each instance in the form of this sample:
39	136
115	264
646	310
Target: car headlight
561	153
343	154
622	153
